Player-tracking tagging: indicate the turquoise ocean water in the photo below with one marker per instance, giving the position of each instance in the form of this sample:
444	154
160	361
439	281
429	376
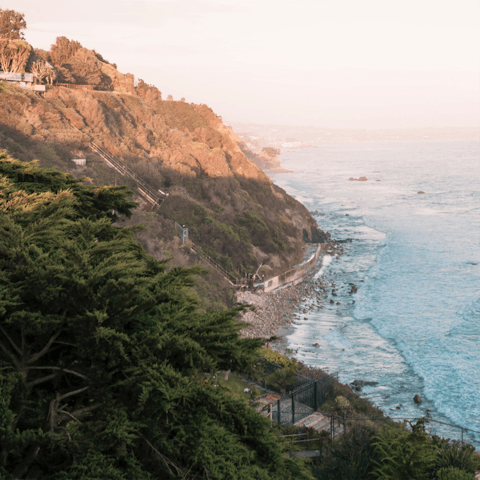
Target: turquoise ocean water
414	324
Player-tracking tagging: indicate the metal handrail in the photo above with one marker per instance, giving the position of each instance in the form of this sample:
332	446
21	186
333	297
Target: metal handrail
126	171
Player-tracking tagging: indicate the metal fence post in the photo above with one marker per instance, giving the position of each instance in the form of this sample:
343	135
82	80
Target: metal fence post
332	423
293	408
278	407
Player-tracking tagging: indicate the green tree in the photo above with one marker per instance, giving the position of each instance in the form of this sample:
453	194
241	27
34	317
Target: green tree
103	349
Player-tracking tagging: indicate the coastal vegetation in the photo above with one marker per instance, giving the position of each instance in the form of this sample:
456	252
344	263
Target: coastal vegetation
372	451
110	352
105	353
108	361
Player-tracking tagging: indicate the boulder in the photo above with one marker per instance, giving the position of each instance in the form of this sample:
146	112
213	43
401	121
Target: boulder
417	399
316	345
359	384
361	179
354	289
420	192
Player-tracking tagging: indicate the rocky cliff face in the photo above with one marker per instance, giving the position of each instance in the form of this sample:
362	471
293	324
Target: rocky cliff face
234	212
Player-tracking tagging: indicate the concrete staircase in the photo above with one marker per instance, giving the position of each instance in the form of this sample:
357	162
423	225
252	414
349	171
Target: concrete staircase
316	420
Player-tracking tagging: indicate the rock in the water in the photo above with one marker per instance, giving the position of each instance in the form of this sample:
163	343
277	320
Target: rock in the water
417	399
316	345
359	384
331	301
420	192
361	179
354	289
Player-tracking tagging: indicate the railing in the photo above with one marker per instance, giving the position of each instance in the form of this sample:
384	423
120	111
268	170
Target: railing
294	275
74	86
305	397
432	426
228	276
120	167
143	189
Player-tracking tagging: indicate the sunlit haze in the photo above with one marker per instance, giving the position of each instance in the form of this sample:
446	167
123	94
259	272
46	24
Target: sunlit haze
337	64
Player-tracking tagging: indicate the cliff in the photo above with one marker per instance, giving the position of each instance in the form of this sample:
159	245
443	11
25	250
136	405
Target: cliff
232	209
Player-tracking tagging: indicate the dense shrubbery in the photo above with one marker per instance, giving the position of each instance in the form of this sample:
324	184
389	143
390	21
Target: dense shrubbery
224	234
103	351
391	452
452	473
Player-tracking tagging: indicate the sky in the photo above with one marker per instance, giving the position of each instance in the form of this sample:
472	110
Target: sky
335	64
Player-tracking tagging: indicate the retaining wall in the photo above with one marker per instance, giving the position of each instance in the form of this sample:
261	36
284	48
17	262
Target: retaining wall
294	275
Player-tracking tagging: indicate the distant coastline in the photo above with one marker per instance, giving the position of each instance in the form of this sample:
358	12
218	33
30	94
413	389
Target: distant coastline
258	136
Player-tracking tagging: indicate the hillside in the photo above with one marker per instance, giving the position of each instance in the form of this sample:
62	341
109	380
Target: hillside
232	209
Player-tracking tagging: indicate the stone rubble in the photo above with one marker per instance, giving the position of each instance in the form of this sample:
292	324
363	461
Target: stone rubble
279	308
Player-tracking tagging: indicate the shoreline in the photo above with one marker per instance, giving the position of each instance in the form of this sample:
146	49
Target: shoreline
276	310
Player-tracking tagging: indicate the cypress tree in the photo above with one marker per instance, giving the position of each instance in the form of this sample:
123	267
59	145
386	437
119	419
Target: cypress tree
103	349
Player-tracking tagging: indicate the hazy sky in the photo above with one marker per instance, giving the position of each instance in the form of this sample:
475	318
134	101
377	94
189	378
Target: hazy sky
335	63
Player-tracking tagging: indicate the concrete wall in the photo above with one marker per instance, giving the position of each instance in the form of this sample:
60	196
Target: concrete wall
16	77
294	275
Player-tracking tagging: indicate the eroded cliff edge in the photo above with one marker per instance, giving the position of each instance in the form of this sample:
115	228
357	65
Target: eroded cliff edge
232	209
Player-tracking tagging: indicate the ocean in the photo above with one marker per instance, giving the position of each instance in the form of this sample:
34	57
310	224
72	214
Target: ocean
413	326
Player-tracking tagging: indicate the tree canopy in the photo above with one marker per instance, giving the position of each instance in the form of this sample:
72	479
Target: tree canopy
104	350
12	24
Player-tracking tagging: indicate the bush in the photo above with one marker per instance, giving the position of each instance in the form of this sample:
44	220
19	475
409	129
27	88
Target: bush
277	358
405	454
282	379
452	473
353	456
455	455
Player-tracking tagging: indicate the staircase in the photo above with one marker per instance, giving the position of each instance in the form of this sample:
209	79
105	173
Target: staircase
151	197
230	278
147	193
316	420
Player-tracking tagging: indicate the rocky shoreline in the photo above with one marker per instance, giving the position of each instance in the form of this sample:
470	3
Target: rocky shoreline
278	309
